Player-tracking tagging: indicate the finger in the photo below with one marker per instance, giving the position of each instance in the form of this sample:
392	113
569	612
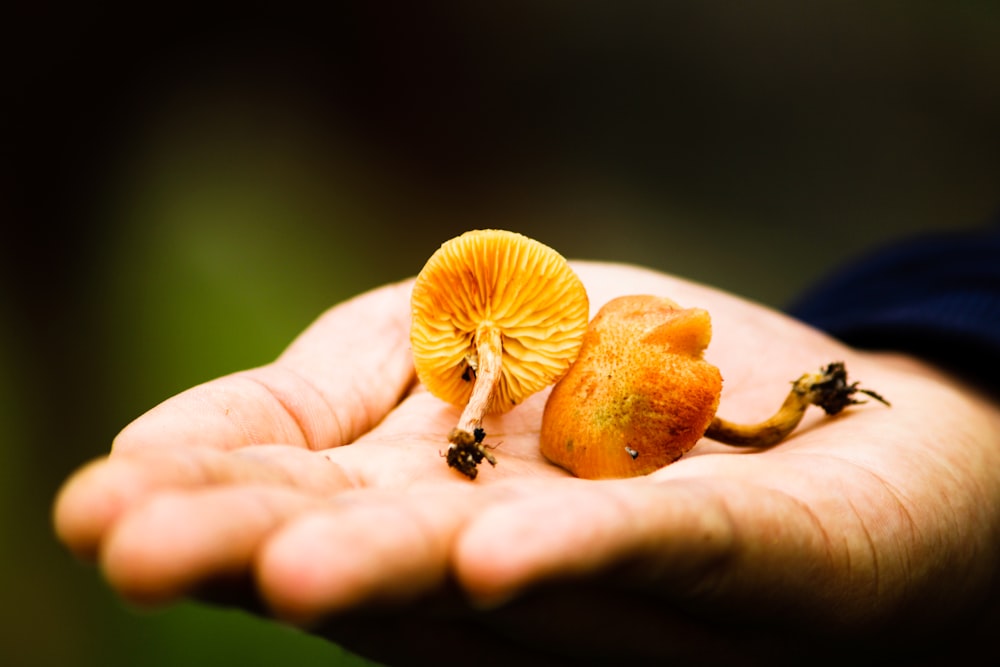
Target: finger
178	541
689	540
364	549
580	529
98	494
331	385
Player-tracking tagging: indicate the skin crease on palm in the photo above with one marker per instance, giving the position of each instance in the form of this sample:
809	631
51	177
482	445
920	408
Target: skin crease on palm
316	483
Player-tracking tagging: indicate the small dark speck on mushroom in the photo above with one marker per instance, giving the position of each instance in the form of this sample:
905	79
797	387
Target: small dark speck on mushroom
631	452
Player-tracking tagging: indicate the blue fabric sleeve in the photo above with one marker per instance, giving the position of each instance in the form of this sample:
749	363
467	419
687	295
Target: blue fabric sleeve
936	296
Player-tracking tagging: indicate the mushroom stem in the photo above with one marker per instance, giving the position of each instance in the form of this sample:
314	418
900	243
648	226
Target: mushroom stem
489	354
827	389
466	450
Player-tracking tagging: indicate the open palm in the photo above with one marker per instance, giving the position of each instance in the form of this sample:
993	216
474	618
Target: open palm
314	489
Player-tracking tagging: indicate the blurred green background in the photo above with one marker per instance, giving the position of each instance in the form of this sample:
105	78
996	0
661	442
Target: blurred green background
184	189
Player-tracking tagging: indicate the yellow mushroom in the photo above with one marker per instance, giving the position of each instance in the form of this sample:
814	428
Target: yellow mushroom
497	316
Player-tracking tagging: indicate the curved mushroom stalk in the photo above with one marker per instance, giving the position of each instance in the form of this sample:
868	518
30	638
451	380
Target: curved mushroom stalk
496	317
827	388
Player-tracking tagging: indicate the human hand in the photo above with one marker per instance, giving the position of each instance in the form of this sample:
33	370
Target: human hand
313	488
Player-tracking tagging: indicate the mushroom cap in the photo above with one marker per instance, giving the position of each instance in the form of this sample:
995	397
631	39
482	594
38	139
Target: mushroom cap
640	395
494	279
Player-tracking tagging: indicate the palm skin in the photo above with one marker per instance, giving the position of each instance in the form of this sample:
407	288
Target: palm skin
313	489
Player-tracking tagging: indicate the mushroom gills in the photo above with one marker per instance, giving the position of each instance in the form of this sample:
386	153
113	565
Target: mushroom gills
496	317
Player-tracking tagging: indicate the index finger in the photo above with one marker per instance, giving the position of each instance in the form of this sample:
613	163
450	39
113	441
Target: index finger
332	384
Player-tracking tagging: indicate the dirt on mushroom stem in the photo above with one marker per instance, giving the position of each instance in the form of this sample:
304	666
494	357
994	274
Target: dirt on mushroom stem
467	451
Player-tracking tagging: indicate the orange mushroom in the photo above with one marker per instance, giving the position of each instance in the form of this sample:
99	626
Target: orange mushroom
640	395
497	316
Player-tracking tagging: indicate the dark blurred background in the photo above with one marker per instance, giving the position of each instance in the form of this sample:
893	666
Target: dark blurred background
185	188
